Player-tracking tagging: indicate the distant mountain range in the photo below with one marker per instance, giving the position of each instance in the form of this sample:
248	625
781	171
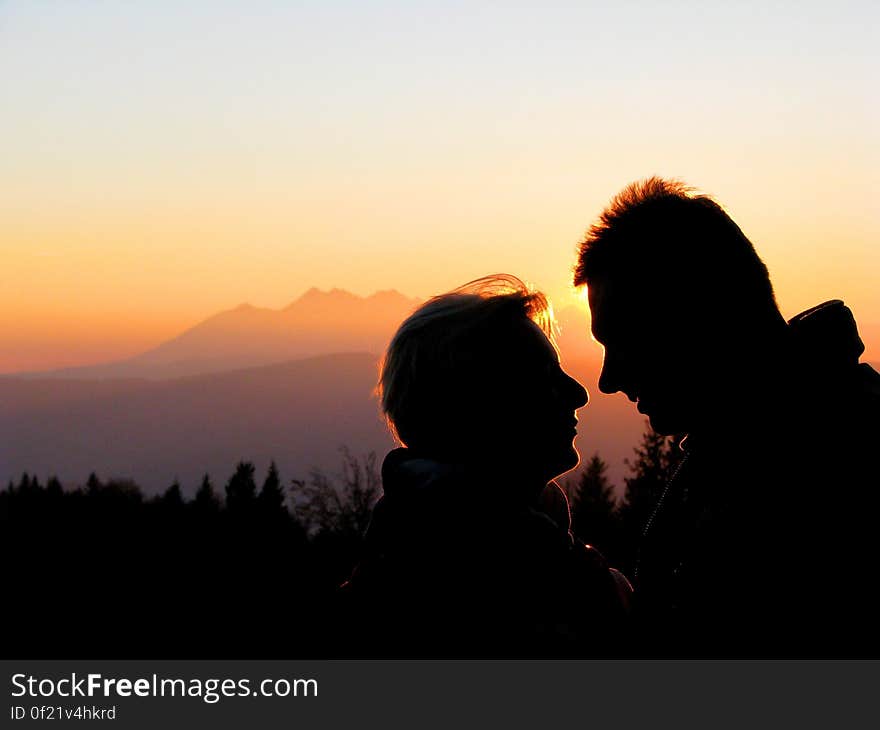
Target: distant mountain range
317	323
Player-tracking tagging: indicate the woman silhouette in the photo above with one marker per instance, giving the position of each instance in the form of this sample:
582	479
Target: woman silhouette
469	551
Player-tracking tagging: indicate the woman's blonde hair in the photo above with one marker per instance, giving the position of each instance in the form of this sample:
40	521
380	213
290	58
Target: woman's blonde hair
430	362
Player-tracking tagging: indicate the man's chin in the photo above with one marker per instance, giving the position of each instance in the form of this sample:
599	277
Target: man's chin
665	424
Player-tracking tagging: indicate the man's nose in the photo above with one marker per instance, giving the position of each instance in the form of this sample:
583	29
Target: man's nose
609	379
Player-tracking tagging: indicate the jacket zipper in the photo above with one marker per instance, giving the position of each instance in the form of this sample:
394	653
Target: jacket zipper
650	522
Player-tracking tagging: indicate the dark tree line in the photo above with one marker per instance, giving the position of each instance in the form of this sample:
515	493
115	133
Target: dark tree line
102	570
250	570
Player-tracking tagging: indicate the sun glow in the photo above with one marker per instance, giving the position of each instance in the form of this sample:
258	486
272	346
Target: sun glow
156	172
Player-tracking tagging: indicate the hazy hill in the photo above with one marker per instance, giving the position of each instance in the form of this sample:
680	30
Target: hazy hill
140	418
318	323
297	413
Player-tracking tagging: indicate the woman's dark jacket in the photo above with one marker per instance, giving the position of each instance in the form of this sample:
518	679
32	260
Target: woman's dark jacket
457	563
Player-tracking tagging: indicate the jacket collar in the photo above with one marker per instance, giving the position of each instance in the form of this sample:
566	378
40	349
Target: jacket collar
826	336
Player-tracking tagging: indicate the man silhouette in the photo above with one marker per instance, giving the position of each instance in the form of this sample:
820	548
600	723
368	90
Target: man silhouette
763	542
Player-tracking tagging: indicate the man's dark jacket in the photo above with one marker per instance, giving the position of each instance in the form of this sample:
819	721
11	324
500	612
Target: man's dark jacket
765	541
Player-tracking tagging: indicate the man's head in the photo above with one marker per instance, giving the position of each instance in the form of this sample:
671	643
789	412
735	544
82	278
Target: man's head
473	376
680	301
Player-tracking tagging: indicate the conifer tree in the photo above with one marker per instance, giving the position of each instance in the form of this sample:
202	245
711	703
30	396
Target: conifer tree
206	500
594	510
173	496
241	490
53	487
93	485
271	496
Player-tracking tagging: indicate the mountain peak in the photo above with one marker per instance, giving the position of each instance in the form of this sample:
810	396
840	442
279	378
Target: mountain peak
315	295
386	295
317	323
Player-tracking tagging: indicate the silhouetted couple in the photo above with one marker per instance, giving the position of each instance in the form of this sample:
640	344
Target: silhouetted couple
763	542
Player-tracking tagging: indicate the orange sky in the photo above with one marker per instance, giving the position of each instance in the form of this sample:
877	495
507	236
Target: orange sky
162	164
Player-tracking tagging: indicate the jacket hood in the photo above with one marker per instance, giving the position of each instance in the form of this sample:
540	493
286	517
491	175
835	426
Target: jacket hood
818	353
404	471
409	475
827	335
422	497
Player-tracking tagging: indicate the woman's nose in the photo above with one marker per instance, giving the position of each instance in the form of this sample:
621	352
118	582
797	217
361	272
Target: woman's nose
577	392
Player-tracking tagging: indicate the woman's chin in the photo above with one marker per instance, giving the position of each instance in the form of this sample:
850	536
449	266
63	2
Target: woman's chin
541	467
564	463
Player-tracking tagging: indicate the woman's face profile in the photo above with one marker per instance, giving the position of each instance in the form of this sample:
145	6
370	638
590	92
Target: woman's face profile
525	411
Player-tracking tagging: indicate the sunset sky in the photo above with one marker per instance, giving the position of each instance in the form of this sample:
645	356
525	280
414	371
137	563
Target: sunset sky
160	163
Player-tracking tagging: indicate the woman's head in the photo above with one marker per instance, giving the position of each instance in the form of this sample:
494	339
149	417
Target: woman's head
473	375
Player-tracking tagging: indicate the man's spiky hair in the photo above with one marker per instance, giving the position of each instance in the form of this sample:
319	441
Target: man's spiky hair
663	230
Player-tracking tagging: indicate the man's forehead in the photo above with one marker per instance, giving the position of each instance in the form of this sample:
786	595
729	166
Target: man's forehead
605	299
613	307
